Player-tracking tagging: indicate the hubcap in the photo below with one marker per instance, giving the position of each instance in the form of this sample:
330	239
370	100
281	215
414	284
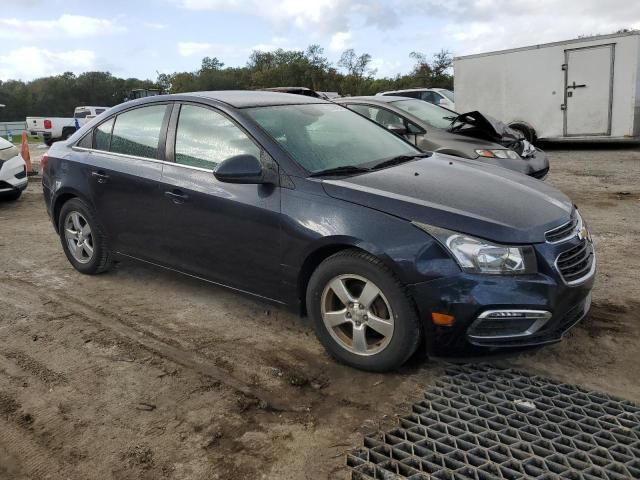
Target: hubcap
357	314
77	233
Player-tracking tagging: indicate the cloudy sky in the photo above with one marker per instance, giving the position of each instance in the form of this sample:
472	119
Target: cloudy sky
138	38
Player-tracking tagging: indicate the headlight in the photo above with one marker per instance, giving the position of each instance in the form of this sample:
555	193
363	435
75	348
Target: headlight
482	256
498	154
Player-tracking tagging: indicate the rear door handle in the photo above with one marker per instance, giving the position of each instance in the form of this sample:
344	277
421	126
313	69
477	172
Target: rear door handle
177	196
100	175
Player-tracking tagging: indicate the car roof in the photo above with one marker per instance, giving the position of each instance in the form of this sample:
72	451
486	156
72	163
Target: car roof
374	99
416	89
251	98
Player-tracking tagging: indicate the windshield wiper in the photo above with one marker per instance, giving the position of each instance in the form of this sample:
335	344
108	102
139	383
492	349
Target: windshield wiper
342	170
398	160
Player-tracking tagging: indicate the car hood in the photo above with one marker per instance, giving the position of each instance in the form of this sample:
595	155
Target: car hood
479	125
462	195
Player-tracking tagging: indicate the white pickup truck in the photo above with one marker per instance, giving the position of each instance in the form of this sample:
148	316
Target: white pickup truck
52	129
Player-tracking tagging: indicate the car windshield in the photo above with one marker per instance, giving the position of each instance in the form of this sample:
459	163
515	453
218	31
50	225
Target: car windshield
434	115
326	136
447	93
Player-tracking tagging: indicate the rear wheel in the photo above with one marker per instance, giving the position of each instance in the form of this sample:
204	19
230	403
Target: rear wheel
361	313
67	132
82	237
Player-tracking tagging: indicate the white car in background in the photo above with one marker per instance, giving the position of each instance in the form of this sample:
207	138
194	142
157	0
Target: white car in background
438	96
13	171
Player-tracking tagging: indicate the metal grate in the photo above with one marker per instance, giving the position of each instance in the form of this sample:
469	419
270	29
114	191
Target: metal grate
482	423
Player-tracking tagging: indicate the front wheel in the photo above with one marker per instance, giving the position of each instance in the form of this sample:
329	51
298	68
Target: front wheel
362	314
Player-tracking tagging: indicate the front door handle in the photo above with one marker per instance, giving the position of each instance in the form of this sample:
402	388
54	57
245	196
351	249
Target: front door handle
176	196
100	175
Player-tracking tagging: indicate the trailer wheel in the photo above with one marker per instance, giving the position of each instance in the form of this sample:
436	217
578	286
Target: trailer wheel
528	132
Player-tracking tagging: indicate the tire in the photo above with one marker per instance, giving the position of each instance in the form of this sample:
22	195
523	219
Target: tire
11	196
354	269
48	142
91	255
66	133
528	132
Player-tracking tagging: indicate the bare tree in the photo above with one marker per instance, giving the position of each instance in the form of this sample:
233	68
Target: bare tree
356	65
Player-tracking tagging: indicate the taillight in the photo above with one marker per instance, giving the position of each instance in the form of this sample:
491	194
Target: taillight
47	124
43	162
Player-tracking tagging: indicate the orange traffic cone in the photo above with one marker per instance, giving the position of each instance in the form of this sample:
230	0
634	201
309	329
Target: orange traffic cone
24	151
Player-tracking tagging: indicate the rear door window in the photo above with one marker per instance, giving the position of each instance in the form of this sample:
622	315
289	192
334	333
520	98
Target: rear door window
137	132
379	115
205	138
429	97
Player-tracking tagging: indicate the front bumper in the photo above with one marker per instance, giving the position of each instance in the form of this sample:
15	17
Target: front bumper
538	165
13	175
468	296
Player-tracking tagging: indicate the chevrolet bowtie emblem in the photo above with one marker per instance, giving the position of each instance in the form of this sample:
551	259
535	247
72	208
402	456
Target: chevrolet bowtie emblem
583	233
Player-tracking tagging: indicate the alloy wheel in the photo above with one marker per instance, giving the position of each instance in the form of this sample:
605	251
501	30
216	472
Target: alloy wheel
357	314
77	233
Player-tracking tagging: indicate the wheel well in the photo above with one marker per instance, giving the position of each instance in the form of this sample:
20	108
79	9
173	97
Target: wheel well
526	128
309	266
67	132
60	201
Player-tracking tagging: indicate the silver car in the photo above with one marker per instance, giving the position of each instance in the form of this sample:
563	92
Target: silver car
471	135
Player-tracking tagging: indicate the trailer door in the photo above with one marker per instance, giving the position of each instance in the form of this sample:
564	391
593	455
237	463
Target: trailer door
588	90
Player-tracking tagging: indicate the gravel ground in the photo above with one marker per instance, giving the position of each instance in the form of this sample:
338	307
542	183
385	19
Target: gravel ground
142	373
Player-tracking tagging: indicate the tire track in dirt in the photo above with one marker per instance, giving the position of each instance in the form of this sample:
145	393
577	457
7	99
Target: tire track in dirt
187	359
21	455
35	368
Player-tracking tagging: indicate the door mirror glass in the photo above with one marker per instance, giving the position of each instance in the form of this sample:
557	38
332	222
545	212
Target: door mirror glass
397	128
244	168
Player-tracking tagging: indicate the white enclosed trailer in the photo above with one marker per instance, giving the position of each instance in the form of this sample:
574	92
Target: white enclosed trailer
582	89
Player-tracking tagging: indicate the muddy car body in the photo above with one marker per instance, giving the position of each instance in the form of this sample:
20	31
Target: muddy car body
286	198
433	128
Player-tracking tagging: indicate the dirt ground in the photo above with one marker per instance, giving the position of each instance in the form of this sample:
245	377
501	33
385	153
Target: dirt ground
142	373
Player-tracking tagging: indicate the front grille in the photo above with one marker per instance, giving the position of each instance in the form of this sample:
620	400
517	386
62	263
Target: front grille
565	231
576	263
5	185
21	174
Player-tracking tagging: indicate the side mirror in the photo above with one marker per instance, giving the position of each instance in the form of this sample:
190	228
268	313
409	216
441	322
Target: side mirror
398	129
244	169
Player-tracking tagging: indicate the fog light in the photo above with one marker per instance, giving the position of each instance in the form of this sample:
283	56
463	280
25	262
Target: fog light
495	324
442	319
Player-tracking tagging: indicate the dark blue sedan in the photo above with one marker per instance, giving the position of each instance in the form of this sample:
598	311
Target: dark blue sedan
304	203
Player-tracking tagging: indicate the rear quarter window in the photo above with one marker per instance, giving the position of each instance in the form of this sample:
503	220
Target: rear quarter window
86	141
102	135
